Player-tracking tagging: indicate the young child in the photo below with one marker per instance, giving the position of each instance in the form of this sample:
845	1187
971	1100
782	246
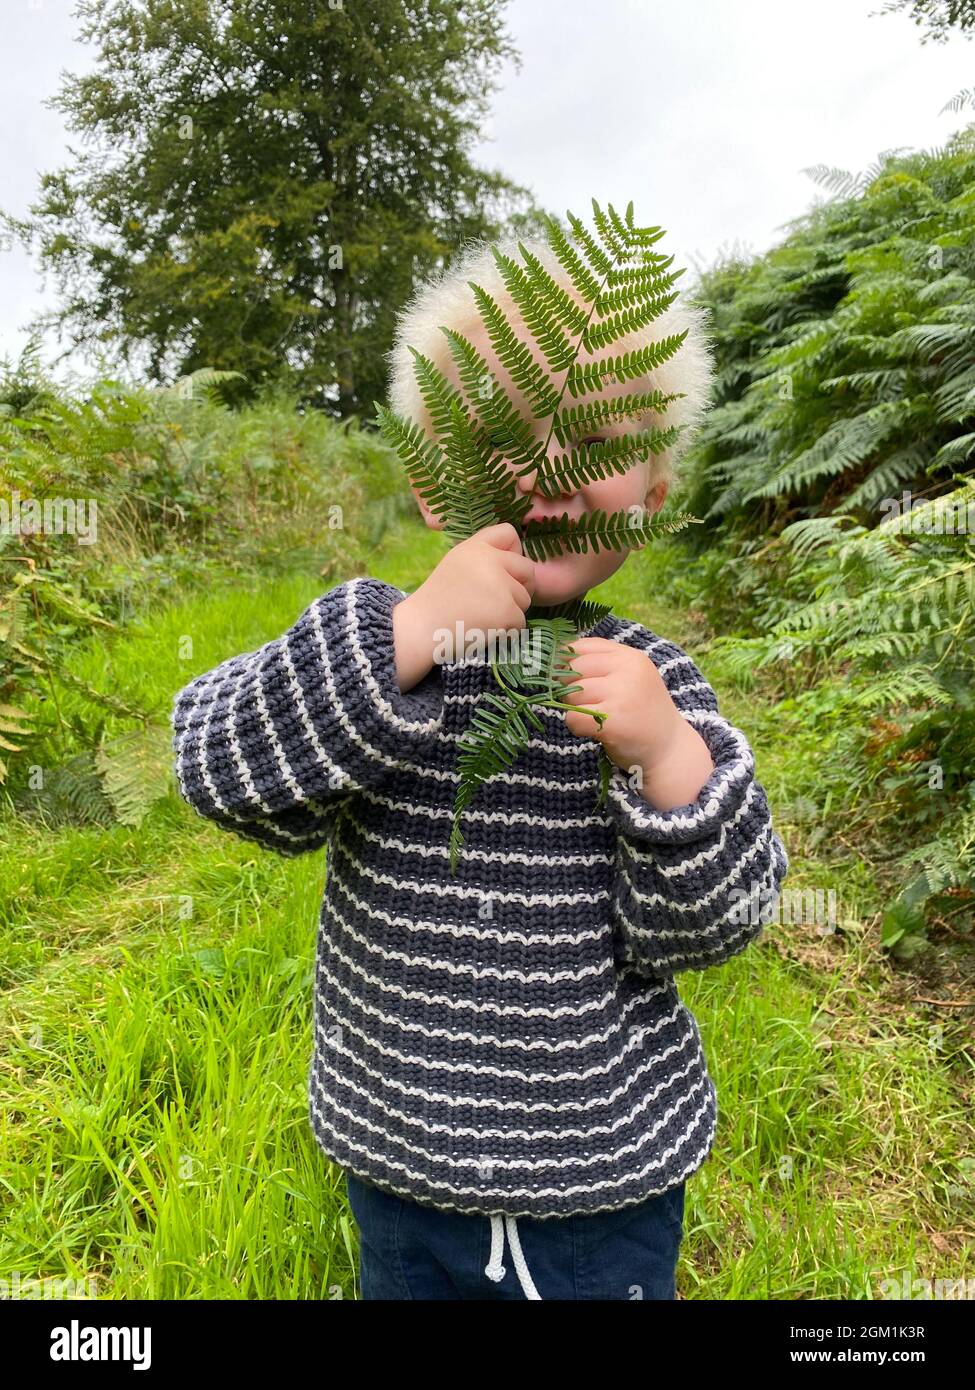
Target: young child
502	1052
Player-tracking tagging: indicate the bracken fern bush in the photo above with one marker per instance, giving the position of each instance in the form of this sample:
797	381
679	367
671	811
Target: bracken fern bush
577	315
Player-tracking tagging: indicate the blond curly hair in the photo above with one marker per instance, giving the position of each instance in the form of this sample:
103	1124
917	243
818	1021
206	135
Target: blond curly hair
446	298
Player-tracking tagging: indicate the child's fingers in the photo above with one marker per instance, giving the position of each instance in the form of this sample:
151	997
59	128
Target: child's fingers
522	595
593	660
582	725
594	644
594	690
503	536
520	568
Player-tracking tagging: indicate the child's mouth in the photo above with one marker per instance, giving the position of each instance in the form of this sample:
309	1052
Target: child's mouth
538	526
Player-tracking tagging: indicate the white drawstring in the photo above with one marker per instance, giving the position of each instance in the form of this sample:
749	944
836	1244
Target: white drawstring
495	1269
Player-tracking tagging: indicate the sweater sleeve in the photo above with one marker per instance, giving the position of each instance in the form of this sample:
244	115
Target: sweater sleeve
695	884
270	744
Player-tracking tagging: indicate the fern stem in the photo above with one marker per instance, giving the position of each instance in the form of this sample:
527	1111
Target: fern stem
549	702
955	631
599	715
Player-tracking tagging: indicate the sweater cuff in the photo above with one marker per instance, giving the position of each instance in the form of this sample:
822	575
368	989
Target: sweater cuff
344	658
717	802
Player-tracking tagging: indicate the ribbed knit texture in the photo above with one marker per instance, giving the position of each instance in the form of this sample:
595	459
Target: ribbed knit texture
509	1039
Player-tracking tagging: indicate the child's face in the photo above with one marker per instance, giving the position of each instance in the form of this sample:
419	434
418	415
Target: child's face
568	575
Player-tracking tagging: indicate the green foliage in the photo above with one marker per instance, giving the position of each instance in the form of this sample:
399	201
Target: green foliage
844	356
177	490
467	482
114	780
886	638
69	794
135	769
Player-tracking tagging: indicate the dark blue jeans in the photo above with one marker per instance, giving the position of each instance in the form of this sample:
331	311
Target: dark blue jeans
411	1251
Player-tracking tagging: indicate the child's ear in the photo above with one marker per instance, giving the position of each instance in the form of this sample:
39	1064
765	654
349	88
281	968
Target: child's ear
656	495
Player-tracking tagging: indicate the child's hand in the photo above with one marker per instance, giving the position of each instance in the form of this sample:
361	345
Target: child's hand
484	582
643	730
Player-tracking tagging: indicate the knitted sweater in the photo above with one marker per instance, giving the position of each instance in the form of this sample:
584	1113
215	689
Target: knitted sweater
508	1040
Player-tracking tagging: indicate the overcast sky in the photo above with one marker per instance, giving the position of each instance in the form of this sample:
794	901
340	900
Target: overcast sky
711	110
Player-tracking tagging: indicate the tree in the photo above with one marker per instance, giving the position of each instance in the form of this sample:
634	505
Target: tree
940	16
261	181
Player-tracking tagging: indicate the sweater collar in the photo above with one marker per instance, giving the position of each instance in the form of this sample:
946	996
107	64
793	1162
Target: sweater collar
478	660
571	609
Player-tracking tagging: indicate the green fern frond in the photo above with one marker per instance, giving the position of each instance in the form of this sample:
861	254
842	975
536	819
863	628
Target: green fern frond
422	458
956	453
98	697
584	377
71	794
499	730
508	430
597	530
948	858
439	396
601	264
539	313
629	321
955	398
583	613
135	771
560	304
199	385
594	461
580	419
515	356
585	282
843	445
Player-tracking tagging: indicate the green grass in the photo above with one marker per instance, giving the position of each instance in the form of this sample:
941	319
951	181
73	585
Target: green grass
156	1013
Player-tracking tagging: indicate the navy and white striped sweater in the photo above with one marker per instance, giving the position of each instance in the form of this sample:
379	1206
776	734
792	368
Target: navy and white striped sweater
508	1040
